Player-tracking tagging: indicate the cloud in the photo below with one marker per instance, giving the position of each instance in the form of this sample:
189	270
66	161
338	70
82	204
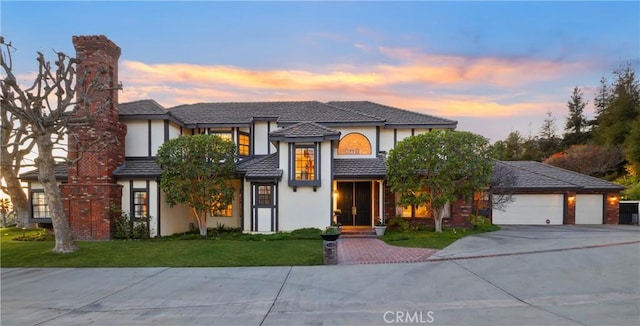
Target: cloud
444	85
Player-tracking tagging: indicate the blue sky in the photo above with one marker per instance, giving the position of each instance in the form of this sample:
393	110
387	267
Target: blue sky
493	66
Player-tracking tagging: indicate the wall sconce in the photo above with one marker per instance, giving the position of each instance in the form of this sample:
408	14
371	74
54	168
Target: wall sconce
613	199
571	198
335	193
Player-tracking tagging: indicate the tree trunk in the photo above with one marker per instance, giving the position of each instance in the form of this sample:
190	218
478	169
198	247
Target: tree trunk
201	218
45	163
18	197
438	219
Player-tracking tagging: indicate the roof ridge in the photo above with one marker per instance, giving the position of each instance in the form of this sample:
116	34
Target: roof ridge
582	175
399	109
558	168
354	111
536	173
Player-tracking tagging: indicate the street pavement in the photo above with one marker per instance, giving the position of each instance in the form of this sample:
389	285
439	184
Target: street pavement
521	275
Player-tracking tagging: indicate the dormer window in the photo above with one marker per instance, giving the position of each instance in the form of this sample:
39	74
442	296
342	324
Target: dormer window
305	157
304	169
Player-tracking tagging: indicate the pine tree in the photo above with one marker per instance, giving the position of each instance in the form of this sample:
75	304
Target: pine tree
576	126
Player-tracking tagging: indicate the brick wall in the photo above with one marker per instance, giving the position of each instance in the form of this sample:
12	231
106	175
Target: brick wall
612	208
97	146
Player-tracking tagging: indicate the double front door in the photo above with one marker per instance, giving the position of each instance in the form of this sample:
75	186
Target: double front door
354	202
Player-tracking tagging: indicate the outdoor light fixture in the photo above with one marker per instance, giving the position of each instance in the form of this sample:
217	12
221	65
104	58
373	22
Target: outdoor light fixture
613	198
571	198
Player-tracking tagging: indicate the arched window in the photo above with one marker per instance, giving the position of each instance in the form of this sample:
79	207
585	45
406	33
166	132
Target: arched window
354	144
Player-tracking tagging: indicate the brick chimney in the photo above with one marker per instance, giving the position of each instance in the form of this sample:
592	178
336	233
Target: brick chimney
91	190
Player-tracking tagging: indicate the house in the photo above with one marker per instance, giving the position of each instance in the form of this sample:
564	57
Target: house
302	164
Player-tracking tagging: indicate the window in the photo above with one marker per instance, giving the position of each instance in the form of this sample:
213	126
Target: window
304	169
39	206
243	144
305	163
140	204
225	212
354	144
264	195
421	211
222	134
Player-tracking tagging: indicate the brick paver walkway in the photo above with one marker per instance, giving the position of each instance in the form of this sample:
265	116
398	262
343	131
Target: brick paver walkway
371	250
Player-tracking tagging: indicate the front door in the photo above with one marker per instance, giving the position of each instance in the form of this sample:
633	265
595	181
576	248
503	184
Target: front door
354	201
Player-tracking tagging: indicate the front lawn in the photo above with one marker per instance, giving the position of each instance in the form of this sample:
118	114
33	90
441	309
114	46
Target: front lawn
178	251
430	239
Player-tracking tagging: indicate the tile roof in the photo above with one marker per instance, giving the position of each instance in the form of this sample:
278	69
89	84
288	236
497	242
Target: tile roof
59	170
359	167
531	175
284	112
141	107
305	131
395	116
261	167
138	168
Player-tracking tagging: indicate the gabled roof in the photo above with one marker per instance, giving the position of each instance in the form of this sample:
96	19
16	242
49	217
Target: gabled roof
139	168
239	114
304	131
354	168
261	168
394	116
531	175
59	170
141	108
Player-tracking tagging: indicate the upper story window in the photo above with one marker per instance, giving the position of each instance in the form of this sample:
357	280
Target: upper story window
244	142
39	206
305	165
354	144
223	135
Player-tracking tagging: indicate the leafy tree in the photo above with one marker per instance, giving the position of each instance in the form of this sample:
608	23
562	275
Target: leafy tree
511	149
198	171
590	159
59	97
576	125
438	167
5	208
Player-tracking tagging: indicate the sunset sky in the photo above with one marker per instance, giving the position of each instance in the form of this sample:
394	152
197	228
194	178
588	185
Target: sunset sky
493	66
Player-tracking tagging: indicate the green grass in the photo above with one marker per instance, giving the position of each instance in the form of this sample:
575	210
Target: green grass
430	239
177	251
299	248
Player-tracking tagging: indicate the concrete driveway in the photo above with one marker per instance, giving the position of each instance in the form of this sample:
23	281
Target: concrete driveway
546	275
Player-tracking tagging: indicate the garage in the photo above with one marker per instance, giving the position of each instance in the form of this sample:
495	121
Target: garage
589	209
532	209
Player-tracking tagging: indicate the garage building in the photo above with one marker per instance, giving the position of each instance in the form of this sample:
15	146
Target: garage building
544	194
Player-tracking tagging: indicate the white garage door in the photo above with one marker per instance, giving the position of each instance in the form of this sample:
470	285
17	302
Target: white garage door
589	209
531	209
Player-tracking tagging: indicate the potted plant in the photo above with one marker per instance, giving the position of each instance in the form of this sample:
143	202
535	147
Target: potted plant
331	233
380	227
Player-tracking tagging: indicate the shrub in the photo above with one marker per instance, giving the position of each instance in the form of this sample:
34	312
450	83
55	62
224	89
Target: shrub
398	223
482	223
126	228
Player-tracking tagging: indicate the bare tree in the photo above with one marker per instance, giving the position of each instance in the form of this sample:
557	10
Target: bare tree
13	149
503	182
57	101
